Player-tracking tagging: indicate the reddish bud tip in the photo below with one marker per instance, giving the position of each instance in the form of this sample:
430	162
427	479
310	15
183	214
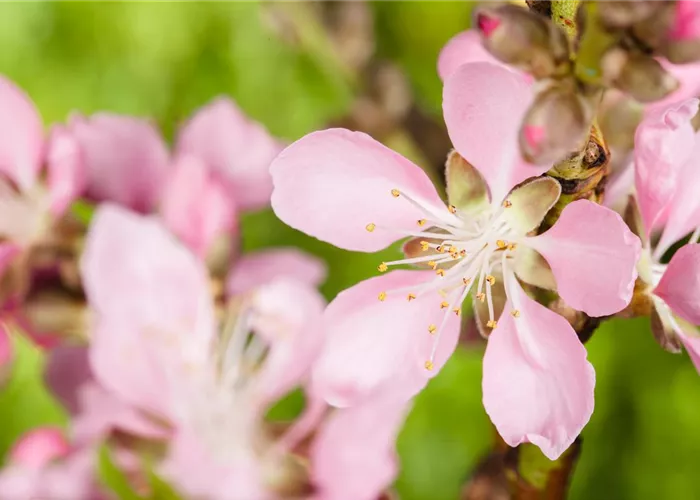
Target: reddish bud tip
533	135
40	446
487	24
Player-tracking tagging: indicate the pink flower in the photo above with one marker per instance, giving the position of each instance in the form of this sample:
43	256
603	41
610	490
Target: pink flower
667	185
42	464
221	167
26	203
347	189
156	345
237	150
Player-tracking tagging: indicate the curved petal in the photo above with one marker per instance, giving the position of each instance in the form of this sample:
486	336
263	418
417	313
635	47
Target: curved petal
66	173
154	316
663	142
484	105
334	183
463	48
680	284
374	345
352	455
135	271
691	341
258	268
126	159
21	136
287	314
688	78
195	207
538	385
235	148
593	256
683	211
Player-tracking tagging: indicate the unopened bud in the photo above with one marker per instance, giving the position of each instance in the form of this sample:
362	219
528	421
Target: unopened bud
557	123
683	37
681	51
623	14
522	38
638	75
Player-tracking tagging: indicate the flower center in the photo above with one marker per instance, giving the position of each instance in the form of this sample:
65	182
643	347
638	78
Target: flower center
464	251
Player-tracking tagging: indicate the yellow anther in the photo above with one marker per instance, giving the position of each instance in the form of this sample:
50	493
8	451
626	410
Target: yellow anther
440	272
512	246
491	280
501	244
432	264
382	267
463	253
382	296
424	245
452	209
370	227
411	296
444	305
481	296
515	313
395	193
428	365
491	323
466	281
421	222
457	311
432	329
507	204
440	249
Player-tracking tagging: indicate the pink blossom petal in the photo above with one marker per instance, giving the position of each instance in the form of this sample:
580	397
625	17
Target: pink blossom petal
691	341
196	207
258	268
8	251
484	105
463	48
235	147
287	314
67	176
334	183
21	136
101	413
682	214
590	237
152	304
688	77
374	345
663	142
686	23
126	159
538	385
39	447
194	470
680	284
352	455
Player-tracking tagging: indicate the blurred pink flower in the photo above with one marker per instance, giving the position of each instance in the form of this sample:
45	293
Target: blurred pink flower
42	464
667	184
156	347
235	149
27	205
345	188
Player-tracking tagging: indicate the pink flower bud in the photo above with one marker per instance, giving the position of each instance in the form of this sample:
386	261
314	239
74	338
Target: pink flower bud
639	75
556	124
40	446
524	39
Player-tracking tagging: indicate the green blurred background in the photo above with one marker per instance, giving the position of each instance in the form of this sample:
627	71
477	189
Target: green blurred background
163	60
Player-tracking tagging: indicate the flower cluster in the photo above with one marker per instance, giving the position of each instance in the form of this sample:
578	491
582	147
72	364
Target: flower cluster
176	345
119	255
